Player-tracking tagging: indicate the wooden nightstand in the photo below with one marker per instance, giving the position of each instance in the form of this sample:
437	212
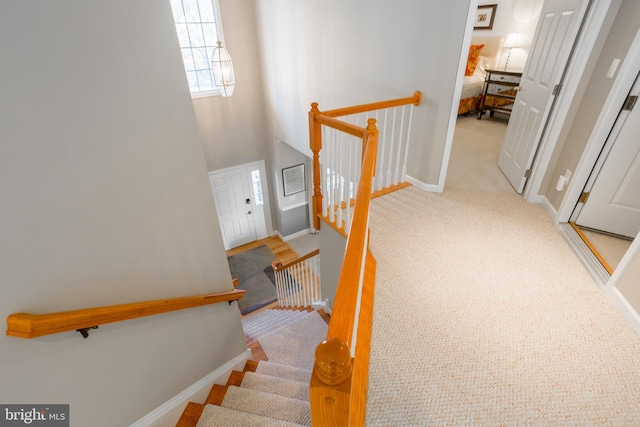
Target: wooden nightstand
500	90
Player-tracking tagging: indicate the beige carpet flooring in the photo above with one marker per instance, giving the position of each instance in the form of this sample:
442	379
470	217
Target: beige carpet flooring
473	166
474	156
484	316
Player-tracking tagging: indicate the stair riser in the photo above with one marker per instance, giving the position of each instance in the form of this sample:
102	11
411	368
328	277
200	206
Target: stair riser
275	316
272	325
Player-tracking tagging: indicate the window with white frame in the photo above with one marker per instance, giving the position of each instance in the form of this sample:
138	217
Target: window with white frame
197	24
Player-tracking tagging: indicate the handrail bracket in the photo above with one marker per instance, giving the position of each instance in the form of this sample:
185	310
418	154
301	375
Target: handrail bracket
85	331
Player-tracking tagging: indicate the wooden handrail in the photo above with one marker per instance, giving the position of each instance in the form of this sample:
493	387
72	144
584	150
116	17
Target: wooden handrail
317	118
26	325
338	387
347	293
416	99
360	382
277	265
349	128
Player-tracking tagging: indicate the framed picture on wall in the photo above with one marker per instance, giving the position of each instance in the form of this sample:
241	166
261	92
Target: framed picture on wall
293	179
485	16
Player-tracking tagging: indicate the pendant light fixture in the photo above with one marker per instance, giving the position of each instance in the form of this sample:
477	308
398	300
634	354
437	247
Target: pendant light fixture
222	68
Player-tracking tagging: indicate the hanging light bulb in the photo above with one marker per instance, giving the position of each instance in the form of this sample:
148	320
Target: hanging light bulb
222	68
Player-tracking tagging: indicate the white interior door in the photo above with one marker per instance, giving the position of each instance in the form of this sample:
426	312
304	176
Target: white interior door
552	43
232	193
614	198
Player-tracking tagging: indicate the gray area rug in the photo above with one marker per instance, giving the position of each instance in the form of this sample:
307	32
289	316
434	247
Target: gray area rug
255	275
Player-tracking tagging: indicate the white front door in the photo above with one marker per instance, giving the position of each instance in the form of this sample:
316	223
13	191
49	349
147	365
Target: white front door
552	43
232	194
614	198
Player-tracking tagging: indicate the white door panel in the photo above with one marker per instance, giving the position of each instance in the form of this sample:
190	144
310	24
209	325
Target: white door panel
614	200
231	191
556	31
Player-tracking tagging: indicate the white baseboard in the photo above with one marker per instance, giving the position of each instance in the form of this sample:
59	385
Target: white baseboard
625	308
546	204
430	188
169	413
599	274
317	305
294	235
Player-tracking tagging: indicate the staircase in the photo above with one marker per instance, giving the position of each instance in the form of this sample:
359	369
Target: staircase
265	393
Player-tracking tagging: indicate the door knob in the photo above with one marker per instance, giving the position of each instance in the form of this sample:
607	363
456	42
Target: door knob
249	213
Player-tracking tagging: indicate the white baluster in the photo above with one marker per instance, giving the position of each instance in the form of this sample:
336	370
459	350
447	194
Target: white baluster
391	143
341	149
406	146
378	158
323	172
299	292
302	285
347	179
381	173
396	175
308	284
332	178
281	295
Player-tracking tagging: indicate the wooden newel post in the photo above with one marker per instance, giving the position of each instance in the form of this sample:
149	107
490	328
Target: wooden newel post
276	265
315	138
330	390
371	133
333	361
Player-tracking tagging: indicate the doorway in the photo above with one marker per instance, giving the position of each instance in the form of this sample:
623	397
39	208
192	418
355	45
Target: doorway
242	203
607	215
557	26
596	15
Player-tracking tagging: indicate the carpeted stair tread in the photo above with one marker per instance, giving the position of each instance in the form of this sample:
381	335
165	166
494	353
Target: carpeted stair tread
269	324
295	344
250	323
273	369
274	385
260	318
274	323
265	317
268	405
277	323
219	416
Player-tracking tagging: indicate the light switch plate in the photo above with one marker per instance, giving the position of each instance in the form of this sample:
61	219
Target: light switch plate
613	68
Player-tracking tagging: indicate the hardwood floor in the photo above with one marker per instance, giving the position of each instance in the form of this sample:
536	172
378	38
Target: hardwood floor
280	249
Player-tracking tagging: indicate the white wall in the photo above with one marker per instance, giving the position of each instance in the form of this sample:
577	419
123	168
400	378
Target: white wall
234	129
105	200
627	280
514	16
332	248
292	217
347	53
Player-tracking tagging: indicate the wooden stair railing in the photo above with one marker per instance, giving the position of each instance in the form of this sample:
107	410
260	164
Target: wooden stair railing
339	170
298	281
339	381
25	325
